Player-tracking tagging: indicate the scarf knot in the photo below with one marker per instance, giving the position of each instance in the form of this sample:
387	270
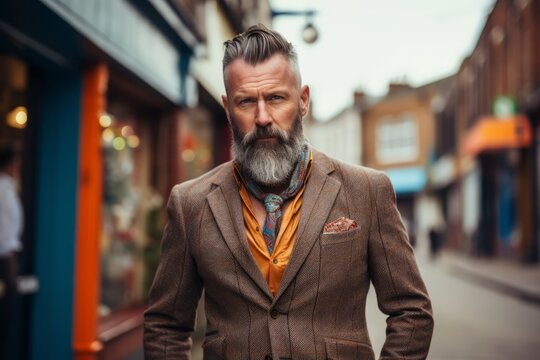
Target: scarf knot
272	203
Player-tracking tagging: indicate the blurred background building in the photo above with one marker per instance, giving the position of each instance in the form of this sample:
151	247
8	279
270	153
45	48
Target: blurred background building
340	136
397	137
462	152
486	163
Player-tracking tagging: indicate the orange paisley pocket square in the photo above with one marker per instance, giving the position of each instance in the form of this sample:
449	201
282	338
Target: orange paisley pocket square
339	225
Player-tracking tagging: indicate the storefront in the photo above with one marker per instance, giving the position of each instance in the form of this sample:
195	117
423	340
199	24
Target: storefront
532	108
41	101
535	246
99	157
146	148
502	149
408	183
17	130
131	211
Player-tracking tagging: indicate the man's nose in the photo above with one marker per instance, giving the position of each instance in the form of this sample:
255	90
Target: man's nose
263	117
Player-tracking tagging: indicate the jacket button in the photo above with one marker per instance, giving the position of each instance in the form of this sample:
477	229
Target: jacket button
274	313
268	357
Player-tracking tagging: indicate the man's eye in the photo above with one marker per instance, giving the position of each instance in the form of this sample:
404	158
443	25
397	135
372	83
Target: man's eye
275	97
245	101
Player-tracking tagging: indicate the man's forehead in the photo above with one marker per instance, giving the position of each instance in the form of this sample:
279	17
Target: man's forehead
275	63
239	71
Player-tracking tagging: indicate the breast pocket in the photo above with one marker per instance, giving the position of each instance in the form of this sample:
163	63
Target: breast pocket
342	252
340	237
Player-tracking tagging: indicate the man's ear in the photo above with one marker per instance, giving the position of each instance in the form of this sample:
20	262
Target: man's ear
304	99
225	102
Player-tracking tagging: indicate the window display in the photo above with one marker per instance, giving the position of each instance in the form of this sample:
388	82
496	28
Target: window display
131	208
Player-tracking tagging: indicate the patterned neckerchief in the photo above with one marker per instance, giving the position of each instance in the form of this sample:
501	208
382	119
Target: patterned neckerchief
273	203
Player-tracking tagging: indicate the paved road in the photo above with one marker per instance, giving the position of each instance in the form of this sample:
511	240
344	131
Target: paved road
471	322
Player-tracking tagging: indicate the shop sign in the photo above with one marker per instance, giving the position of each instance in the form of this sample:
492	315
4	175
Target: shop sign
129	37
504	106
408	180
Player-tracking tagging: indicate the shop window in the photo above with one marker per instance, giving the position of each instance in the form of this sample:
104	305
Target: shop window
196	142
13	109
14	119
131	214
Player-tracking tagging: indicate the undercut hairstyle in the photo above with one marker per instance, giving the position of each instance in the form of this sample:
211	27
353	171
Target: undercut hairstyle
258	44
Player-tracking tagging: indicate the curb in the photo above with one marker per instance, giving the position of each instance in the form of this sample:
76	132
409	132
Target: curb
506	288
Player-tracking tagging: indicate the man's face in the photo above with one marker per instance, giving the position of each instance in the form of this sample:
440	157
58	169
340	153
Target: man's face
265	105
262	95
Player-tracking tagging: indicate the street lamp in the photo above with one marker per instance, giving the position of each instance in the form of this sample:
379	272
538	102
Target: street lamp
310	34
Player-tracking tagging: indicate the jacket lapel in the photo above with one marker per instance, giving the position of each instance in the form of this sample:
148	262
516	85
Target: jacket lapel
226	206
318	199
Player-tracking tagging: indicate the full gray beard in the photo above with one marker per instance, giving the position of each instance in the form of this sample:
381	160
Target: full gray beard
269	165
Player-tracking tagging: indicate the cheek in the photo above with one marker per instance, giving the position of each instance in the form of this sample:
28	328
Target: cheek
286	118
244	122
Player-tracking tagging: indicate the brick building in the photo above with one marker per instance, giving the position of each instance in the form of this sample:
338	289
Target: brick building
398	137
487	143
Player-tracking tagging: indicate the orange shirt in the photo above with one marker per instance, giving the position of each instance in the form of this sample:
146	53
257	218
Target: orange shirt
272	266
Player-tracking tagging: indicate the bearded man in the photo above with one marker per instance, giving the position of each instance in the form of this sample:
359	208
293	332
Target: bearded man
283	240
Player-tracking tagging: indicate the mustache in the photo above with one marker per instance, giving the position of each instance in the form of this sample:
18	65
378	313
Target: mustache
264	132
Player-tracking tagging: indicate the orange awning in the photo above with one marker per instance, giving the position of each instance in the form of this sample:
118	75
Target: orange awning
497	134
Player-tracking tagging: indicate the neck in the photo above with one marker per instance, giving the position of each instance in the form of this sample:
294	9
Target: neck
277	189
269	189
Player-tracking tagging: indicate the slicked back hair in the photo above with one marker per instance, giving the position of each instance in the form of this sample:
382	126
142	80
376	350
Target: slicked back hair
258	44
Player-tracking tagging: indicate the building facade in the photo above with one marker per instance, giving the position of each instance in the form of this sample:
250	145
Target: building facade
340	136
398	137
487	149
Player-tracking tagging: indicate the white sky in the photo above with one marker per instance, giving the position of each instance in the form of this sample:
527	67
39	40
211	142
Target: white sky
364	44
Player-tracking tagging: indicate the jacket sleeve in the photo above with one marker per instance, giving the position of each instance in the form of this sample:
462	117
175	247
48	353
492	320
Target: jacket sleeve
401	293
170	317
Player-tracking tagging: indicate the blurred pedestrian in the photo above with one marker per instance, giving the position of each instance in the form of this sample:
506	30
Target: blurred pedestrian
434	241
284	240
11	225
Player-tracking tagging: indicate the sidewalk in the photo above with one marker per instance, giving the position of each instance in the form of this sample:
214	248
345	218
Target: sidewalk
512	278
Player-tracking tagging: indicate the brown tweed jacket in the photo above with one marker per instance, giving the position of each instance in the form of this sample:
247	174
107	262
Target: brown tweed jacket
319	309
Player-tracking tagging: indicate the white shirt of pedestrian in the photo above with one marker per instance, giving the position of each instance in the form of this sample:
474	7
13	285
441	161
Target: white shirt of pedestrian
11	216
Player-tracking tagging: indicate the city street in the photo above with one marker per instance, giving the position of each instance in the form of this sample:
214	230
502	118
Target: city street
471	322
119	117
